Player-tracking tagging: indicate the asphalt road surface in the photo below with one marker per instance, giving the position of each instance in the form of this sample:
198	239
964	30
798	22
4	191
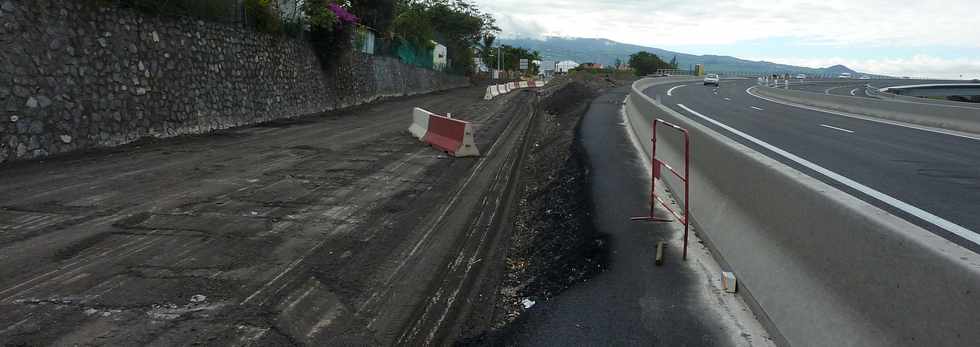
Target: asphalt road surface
324	230
634	302
934	172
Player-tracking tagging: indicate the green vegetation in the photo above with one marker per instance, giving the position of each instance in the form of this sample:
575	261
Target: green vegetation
511	58
265	14
457	24
399	25
214	10
645	63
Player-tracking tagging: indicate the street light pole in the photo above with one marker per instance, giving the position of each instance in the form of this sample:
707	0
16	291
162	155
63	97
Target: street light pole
498	62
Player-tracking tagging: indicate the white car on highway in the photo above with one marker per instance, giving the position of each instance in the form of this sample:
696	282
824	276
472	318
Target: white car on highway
801	76
711	79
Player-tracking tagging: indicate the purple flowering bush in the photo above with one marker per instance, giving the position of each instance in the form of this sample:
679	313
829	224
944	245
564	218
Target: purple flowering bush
327	15
344	16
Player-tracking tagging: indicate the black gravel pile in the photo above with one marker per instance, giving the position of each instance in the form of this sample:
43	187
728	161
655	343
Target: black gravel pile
554	242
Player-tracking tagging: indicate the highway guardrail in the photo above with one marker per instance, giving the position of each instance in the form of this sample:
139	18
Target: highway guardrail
820	266
877	93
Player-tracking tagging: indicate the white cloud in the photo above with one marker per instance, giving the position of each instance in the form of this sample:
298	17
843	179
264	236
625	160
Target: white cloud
919	65
520	26
933	27
674	22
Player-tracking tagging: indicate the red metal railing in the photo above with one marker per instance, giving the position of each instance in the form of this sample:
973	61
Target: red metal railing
655	174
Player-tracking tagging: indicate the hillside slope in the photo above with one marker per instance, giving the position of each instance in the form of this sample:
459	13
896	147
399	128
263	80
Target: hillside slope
606	52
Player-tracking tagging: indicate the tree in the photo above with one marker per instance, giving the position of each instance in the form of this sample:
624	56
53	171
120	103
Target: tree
673	62
377	14
618	64
646	63
413	24
457	24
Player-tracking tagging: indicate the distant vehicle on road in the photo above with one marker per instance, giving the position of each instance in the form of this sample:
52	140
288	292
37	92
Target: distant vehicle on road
865	77
711	79
844	75
801	76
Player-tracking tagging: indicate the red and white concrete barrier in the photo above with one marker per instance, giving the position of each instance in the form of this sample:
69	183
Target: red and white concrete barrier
420	123
492	92
452	136
500	89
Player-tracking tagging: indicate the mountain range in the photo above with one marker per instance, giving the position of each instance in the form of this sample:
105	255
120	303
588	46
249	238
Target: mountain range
604	51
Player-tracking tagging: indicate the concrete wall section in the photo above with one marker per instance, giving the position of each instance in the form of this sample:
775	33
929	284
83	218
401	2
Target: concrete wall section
960	118
75	76
874	92
826	269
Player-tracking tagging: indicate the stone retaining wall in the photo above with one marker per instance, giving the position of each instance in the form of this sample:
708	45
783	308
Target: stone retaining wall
75	76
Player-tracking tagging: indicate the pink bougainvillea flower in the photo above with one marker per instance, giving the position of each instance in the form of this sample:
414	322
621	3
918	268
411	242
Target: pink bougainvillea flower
342	14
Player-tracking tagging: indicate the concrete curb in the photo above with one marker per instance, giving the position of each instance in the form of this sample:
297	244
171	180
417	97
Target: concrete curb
822	267
959	118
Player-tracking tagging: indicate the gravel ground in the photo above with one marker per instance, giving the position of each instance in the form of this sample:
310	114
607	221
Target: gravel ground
317	230
553	244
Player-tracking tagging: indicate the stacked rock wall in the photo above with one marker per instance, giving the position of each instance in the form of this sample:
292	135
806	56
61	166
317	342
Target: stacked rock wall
76	76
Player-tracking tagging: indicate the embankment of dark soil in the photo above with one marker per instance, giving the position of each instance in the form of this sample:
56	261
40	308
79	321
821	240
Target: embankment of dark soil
554	243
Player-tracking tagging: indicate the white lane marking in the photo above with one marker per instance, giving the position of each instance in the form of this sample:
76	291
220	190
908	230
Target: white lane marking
670	92
756	108
727	99
930	218
836	128
854	91
868	118
827	91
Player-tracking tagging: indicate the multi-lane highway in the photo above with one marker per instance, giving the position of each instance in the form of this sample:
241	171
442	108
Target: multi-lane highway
903	170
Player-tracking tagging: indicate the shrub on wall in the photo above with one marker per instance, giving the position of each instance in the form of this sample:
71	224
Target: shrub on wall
265	15
215	10
331	28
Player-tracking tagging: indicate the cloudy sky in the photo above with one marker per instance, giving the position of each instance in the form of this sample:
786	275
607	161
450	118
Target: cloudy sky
928	38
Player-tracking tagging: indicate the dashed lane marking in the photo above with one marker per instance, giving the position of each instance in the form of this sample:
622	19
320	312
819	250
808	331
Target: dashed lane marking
836	128
670	92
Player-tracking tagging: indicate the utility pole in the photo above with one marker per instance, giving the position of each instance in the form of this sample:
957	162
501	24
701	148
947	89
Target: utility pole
498	62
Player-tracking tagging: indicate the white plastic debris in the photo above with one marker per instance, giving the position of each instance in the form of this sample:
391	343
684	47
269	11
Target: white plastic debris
198	298
527	303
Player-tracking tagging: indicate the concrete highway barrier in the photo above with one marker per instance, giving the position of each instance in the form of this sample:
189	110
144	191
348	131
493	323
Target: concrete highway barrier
960	118
420	123
450	135
496	90
821	267
491	93
875	92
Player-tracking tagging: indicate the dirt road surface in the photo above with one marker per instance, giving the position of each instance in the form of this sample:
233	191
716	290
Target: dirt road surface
335	229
